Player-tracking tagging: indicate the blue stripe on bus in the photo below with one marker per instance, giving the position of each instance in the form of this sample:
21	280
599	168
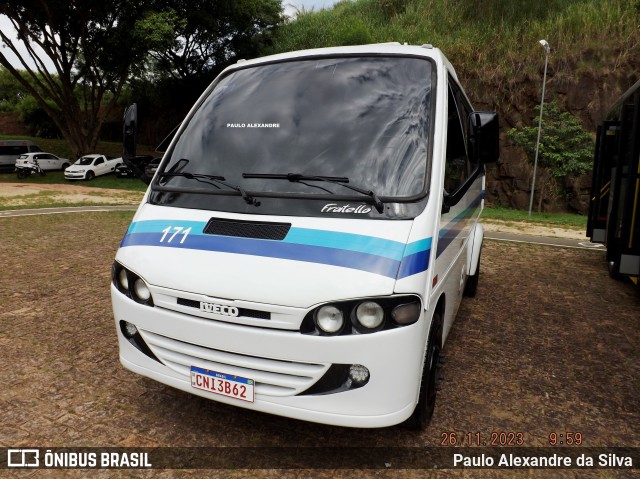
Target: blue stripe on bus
312	237
272	249
388	258
414	264
156	226
454	227
348	241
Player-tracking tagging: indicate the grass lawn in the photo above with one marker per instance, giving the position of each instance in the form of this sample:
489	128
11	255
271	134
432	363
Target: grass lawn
564	220
57	177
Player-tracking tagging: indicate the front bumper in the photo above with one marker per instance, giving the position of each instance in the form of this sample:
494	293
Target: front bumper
291	361
74	176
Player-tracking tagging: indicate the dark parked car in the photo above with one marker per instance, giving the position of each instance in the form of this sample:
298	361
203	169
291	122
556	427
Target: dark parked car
123	170
151	168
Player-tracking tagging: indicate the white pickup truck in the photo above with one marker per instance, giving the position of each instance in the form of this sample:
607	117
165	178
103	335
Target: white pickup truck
89	166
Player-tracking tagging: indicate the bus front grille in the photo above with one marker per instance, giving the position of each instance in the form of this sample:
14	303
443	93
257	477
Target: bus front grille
273	377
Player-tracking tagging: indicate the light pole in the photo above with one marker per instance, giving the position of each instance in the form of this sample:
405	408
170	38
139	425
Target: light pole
547	49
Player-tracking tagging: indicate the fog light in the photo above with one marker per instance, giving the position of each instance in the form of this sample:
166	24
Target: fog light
406	313
359	374
330	319
129	330
141	290
370	314
123	279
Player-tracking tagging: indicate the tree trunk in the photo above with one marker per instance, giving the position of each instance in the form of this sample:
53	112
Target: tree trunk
80	132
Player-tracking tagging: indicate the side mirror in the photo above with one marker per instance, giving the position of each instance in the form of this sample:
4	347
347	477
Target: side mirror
484	136
129	138
129	132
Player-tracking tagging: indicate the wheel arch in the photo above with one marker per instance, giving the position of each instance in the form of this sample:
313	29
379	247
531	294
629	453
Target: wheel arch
440	308
420	418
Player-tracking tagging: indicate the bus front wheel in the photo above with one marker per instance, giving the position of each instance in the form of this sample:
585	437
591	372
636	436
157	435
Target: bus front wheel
423	412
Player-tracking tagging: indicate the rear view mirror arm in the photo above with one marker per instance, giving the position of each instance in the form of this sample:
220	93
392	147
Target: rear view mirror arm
452	199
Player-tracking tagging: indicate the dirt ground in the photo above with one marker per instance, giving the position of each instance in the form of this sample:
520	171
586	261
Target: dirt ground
550	344
16	195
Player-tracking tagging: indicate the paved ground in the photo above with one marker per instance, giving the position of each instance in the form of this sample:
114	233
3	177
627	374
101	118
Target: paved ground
549	345
65	210
564	242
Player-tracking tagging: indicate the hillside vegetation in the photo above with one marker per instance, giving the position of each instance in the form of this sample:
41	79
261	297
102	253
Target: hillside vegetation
493	45
492	40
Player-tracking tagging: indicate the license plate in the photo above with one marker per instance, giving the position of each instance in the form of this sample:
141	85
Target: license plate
223	384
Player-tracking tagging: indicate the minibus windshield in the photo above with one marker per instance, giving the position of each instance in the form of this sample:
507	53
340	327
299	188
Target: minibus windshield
365	118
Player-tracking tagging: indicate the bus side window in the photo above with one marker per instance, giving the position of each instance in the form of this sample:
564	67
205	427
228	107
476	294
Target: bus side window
457	166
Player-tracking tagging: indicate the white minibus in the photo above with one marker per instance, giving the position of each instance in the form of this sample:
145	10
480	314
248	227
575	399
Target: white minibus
304	246
10	150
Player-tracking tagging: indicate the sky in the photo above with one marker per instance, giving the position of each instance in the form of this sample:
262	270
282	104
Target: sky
290	7
5	26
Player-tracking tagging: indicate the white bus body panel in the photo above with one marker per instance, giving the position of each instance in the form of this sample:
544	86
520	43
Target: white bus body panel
388	398
431	260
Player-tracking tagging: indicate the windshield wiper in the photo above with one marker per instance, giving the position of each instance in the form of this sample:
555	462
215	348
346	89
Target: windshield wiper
214	180
338	180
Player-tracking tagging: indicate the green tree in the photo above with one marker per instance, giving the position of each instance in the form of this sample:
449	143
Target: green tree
36	119
209	34
566	148
11	92
205	38
93	45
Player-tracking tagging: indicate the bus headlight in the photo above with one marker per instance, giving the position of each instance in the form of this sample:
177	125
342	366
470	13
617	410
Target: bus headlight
370	314
123	279
141	290
361	315
130	284
329	319
407	313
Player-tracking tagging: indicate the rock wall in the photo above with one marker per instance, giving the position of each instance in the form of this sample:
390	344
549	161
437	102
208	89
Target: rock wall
589	94
10	124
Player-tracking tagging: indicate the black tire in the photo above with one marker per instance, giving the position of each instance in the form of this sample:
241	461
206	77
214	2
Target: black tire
423	412
90	175
614	270
43	173
471	287
21	173
65	166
